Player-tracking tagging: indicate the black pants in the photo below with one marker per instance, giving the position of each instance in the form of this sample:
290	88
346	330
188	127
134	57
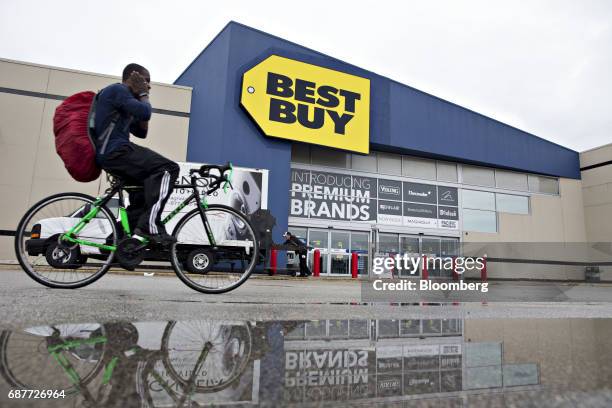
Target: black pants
304	271
140	166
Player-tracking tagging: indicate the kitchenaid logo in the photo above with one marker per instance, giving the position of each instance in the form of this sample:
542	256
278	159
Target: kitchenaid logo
393	190
294	100
447	196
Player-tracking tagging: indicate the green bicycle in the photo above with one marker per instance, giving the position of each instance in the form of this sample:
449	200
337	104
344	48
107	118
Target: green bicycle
70	240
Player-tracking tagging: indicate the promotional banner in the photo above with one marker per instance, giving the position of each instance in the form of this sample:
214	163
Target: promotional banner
249	192
333	196
345	197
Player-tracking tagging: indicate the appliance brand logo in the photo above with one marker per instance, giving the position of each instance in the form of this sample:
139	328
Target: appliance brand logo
393	190
447	196
419	193
293	100
448	212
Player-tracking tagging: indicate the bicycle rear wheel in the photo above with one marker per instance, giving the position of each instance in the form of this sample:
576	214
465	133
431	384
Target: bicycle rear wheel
55	262
219	263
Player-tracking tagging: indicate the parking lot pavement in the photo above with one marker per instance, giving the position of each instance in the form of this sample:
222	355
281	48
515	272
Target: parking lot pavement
164	297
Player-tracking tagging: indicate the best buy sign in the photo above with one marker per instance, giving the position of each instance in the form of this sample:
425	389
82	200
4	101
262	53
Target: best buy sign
294	100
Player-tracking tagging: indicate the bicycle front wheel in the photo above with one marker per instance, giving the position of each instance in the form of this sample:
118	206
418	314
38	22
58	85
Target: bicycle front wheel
48	258
217	261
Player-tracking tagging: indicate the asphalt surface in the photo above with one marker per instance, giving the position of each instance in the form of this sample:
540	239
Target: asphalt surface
131	340
135	297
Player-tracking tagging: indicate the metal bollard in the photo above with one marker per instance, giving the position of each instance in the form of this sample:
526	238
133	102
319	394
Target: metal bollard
455	274
354	265
273	255
316	263
425	272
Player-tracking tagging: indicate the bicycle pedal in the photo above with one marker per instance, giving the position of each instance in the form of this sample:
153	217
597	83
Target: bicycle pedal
130	253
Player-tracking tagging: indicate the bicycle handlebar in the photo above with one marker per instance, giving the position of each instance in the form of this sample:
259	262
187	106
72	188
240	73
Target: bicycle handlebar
204	171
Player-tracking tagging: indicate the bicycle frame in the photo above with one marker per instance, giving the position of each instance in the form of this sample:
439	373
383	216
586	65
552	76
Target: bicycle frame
118	189
56	352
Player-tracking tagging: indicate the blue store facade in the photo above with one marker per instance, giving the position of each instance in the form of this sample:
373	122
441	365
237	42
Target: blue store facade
405	124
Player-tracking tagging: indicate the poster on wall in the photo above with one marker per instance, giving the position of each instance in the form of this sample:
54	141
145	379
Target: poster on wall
332	196
345	197
249	192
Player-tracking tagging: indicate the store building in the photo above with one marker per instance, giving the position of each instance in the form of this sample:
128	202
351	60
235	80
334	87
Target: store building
355	159
361	158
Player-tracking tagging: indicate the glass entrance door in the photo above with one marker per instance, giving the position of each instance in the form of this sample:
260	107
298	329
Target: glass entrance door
339	253
430	248
359	245
416	246
319	239
336	248
410	245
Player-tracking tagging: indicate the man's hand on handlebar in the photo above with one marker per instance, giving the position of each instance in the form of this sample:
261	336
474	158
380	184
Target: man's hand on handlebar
205	172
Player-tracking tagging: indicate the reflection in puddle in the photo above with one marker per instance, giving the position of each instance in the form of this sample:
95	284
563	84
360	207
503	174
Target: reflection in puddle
430	362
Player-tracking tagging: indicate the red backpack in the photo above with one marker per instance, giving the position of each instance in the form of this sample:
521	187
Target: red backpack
75	137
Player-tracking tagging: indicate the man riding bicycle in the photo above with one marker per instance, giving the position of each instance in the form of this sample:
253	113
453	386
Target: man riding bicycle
121	109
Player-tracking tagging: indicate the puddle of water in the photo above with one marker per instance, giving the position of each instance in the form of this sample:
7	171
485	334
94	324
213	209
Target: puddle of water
420	362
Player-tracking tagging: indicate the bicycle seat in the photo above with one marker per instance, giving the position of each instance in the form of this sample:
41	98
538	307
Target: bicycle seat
115	180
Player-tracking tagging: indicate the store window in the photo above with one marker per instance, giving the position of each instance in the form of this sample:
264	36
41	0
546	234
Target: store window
478	200
364	163
300	153
389	163
338	328
541	184
359	245
388	243
301	233
449	247
478	176
511	180
359	329
322	156
479	221
479	211
388	328
447	171
418	168
316	329
513	204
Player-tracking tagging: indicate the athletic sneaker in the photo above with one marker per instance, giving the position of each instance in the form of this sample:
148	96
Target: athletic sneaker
163	238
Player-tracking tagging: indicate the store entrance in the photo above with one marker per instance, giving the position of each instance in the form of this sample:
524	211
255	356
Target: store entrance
390	244
336	248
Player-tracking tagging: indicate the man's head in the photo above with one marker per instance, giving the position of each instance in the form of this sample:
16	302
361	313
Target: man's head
286	235
129	68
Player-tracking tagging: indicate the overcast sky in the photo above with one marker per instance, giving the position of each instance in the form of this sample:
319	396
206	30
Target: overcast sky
542	66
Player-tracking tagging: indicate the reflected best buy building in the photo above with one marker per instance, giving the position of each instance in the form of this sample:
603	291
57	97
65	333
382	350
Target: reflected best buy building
355	157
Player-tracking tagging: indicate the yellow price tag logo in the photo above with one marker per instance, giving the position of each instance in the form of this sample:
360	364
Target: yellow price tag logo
307	103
